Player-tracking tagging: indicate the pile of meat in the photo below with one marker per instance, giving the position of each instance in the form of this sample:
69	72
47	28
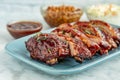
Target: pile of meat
81	40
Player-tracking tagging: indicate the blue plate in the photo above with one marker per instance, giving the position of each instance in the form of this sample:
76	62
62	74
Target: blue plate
18	50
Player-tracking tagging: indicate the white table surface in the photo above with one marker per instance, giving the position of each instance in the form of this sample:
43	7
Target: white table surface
13	69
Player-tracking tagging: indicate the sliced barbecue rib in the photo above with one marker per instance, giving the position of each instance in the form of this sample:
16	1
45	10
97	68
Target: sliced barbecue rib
48	48
108	28
108	32
94	35
77	49
64	28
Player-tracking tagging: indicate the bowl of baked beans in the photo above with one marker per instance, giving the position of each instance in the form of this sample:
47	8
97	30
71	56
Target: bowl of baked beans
55	15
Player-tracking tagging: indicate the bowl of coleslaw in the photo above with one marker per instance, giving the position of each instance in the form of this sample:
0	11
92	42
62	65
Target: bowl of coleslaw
106	12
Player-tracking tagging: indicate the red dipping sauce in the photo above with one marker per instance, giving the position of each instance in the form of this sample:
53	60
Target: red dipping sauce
23	28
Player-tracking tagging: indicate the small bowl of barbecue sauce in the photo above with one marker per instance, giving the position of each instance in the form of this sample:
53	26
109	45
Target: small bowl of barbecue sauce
23	28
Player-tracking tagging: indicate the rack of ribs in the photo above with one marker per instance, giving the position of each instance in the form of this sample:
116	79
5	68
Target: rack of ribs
80	41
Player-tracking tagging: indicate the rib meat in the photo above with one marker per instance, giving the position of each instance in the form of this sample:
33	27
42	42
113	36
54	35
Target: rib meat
77	49
92	46
48	48
94	35
108	32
